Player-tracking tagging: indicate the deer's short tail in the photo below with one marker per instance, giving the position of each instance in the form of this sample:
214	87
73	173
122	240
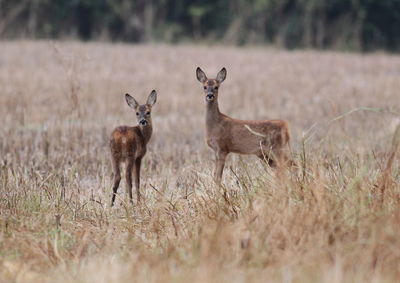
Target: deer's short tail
285	135
286	141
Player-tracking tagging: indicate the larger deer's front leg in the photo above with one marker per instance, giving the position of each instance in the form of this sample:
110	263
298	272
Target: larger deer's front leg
138	163
220	157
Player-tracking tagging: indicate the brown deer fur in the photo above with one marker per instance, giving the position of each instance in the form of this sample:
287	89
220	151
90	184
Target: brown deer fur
265	139
128	144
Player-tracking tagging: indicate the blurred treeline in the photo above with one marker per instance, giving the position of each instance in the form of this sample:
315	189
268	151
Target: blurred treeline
337	24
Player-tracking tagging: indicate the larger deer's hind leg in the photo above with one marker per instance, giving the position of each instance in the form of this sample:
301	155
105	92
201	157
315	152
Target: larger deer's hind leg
285	160
220	157
128	176
266	158
267	155
276	158
117	178
138	163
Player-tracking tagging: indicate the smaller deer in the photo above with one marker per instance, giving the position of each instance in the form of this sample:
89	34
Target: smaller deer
265	139
128	144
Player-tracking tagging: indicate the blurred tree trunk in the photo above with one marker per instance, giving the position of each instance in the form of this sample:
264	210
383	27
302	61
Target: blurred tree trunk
148	20
308	26
196	12
234	31
320	29
9	16
32	20
357	30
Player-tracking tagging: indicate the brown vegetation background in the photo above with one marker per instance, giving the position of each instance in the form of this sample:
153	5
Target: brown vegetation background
334	219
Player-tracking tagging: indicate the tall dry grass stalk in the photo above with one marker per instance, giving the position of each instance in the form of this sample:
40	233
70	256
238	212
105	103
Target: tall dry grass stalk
335	219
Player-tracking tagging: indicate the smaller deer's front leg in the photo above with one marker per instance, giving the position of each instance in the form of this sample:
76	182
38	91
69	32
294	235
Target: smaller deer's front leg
138	163
220	157
128	176
117	179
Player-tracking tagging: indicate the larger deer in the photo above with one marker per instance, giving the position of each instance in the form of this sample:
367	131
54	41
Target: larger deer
129	144
265	139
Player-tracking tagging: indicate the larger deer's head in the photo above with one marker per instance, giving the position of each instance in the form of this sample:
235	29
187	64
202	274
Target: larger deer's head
211	86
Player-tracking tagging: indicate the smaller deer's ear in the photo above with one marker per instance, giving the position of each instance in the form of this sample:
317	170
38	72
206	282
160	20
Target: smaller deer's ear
151	100
201	76
131	101
221	75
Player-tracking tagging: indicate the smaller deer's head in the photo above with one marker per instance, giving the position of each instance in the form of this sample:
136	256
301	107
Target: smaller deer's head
143	112
211	86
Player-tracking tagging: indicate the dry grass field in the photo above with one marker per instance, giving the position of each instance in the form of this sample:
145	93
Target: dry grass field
336	218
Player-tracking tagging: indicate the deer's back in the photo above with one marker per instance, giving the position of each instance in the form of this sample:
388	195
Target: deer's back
127	142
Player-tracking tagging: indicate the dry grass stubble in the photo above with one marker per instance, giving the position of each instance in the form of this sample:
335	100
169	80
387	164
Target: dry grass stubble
336	219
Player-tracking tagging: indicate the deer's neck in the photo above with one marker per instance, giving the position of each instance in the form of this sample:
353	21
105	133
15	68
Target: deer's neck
146	132
212	113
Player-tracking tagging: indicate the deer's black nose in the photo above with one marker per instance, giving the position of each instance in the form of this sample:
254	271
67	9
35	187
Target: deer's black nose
143	122
210	96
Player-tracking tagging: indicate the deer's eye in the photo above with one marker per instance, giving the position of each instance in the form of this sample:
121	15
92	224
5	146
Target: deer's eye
148	113
137	113
215	87
205	87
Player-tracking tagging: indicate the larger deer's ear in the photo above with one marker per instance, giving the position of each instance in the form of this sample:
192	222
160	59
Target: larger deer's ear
201	76
221	75
131	101
151	100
